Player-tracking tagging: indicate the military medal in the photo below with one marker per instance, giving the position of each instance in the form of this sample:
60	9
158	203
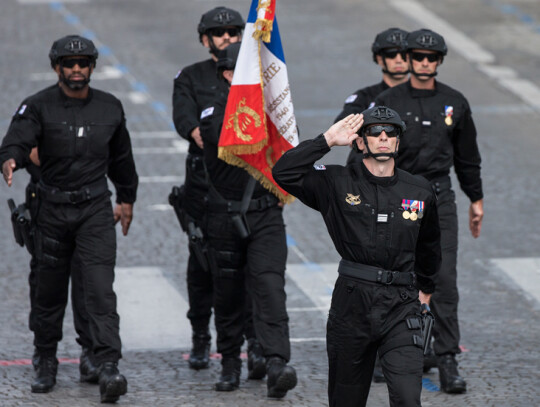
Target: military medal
413	216
420	215
448	112
406	215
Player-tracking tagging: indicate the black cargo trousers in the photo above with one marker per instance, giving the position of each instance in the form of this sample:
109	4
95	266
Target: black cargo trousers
445	299
199	281
80	316
84	231
255	264
367	318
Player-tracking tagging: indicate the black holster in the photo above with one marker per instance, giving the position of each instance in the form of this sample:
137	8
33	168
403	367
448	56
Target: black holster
197	244
22	225
428	320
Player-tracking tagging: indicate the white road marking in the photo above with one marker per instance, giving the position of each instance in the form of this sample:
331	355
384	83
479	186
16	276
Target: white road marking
103	73
298	340
473	52
50	1
152	311
154	135
525	272
161	178
160	207
316	281
178	147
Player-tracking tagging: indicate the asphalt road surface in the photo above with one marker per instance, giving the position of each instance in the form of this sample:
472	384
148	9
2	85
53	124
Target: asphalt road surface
494	54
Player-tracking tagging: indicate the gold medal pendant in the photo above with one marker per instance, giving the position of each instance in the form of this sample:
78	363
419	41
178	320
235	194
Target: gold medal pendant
448	120
413	216
406	215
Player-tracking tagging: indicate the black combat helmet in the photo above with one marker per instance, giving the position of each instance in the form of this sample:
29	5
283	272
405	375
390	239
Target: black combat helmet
72	45
380	115
220	17
227	57
391	38
428	40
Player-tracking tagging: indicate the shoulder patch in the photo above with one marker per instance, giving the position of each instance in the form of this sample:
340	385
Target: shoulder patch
351	99
178	74
21	109
207	112
371	105
319	167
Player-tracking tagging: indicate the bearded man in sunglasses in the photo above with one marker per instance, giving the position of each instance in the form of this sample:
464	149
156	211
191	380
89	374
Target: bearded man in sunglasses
384	224
440	134
81	138
389	51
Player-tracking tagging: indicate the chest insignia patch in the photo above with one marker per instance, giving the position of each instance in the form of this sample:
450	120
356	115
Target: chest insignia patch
448	112
353	199
412	209
207	112
351	99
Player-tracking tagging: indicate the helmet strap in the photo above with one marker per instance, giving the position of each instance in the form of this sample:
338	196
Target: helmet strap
377	156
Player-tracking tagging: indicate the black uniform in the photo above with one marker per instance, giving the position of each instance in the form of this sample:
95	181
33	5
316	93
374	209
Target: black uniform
364	216
79	141
259	258
357	103
195	86
440	133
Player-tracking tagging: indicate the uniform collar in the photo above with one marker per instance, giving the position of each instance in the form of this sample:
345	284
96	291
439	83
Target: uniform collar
421	93
382	181
75	101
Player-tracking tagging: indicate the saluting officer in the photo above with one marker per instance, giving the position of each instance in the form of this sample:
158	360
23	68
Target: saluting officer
195	87
440	134
81	136
383	222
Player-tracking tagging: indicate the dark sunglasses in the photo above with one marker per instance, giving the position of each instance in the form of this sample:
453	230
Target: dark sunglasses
70	63
390	130
420	56
220	32
391	54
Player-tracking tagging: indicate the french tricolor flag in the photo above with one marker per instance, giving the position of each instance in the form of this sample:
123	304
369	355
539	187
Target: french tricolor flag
259	123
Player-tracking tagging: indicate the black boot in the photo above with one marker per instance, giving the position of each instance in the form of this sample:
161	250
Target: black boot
45	374
256	360
112	384
378	375
35	359
430	359
230	373
451	381
89	372
281	378
199	357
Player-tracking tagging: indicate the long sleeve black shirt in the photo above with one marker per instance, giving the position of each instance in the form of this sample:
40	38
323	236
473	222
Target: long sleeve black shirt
79	141
440	133
364	213
195	87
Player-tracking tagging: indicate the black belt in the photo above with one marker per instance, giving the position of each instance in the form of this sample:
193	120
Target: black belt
259	204
441	184
196	162
86	193
375	274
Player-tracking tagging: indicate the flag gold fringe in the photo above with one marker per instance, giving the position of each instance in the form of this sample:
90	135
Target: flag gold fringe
263	30
229	158
246	148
